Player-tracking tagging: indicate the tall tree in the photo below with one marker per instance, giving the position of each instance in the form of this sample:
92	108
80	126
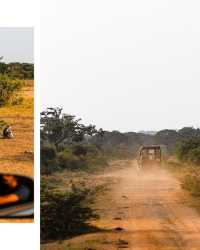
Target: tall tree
58	127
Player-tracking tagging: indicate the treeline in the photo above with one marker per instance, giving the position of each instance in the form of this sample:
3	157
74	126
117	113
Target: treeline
68	144
17	70
172	140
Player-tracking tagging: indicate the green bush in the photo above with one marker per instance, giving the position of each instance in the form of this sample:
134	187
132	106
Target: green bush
73	157
194	156
63	215
192	184
48	152
67	160
49	161
189	150
84	149
9	89
82	157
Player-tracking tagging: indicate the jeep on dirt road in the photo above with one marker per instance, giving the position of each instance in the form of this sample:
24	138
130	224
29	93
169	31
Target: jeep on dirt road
149	155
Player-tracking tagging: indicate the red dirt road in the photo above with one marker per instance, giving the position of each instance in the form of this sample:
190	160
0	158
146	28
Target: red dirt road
149	210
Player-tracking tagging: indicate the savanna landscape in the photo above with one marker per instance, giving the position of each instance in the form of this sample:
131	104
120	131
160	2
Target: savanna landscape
120	80
17	111
94	197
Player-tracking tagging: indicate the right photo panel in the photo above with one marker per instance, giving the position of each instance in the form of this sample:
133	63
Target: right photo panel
119	125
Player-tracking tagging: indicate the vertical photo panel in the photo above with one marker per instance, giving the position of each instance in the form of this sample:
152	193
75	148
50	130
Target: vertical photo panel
16	124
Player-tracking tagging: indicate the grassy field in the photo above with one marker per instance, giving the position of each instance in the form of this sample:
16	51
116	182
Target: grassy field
16	155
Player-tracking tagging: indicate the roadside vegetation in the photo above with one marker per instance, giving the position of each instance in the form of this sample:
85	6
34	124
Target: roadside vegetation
71	153
188	151
65	211
186	165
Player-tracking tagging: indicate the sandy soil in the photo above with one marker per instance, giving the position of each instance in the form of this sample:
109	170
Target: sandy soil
143	210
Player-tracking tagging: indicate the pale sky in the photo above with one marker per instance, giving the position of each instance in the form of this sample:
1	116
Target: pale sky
16	44
122	65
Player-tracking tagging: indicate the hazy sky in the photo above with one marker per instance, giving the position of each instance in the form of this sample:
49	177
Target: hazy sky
16	44
123	65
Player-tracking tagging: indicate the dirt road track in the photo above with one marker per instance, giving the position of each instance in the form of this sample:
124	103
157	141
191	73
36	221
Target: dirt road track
148	209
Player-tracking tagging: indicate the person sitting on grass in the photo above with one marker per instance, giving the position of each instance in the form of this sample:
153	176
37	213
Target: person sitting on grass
7	132
11	191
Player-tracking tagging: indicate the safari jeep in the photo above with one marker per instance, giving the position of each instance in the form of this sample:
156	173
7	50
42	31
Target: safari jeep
149	155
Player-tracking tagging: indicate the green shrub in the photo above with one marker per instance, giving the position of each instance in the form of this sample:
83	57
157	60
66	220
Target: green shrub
194	156
67	160
49	161
63	215
48	152
84	149
82	157
9	89
85	157
189	150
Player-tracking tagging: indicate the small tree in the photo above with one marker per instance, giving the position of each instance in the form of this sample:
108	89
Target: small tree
58	127
188	150
9	89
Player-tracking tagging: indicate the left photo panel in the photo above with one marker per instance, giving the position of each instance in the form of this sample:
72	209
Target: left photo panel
16	124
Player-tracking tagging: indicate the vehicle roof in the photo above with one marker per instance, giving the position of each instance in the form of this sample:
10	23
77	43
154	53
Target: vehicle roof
151	147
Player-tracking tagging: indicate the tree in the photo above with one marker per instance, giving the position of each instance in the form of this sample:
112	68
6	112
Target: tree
188	150
189	132
58	127
8	89
167	137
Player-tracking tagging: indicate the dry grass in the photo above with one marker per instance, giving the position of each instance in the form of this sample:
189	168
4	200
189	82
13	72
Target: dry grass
13	153
189	177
